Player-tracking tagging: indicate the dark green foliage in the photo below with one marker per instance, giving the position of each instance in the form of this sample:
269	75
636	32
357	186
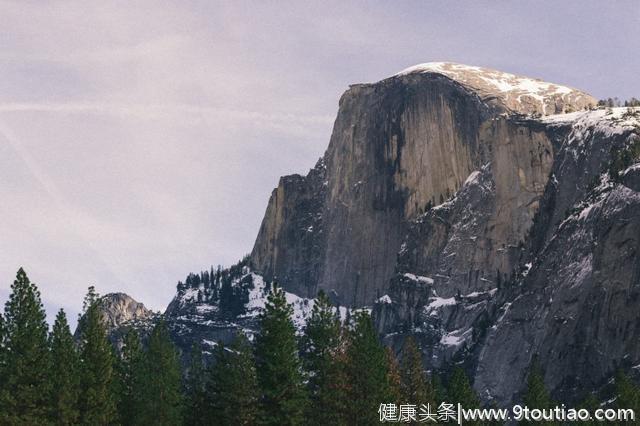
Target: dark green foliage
459	390
195	390
367	372
233	387
416	387
64	374
130	370
25	387
537	395
278	365
97	378
627	393
234	297
2	346
622	158
591	404
320	345
227	287
394	378
161	386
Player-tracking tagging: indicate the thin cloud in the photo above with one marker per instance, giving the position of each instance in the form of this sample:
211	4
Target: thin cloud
172	111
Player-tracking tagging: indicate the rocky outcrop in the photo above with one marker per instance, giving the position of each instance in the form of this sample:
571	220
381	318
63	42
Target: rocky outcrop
118	309
119	313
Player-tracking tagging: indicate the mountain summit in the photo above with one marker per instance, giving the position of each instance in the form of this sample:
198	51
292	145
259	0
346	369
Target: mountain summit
514	93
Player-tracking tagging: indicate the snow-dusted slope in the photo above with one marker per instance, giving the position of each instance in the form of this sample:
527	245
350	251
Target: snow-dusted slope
608	121
515	93
200	315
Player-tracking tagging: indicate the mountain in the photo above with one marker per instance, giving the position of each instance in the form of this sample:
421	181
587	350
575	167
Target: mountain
119	313
399	146
493	217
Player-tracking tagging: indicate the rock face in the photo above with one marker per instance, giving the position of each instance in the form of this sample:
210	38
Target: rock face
119	313
399	146
471	209
547	269
119	309
575	304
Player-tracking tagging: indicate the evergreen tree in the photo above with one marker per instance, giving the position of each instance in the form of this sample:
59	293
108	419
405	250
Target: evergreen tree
25	386
460	391
416	387
233	386
97	378
161	393
196	397
2	348
367	372
130	371
591	404
394	378
278	365
65	373
627	393
319	349
537	395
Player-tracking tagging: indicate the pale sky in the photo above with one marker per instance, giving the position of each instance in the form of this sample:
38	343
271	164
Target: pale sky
140	141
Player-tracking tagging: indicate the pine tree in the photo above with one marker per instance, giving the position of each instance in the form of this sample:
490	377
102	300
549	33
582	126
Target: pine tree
320	344
416	387
367	372
537	395
130	371
196	397
25	386
278	365
394	378
2	348
161	393
65	373
460	391
97	378
233	386
590	403
627	393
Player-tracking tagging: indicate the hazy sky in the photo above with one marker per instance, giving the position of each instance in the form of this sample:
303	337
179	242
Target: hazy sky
141	140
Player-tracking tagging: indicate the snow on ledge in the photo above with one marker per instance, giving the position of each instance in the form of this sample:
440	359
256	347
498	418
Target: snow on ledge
418	278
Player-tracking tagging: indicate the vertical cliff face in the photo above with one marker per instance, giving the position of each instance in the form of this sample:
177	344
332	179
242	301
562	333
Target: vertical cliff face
398	147
291	242
536	255
574	304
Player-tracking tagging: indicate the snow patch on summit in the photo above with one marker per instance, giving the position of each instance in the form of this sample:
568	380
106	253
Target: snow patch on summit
518	93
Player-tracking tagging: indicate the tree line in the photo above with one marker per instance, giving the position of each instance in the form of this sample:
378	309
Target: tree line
333	373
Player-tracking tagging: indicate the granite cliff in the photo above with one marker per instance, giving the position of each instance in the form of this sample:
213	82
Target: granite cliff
399	146
492	216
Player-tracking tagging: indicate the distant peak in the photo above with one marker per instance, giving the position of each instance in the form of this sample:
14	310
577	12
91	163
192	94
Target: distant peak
516	93
119	308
